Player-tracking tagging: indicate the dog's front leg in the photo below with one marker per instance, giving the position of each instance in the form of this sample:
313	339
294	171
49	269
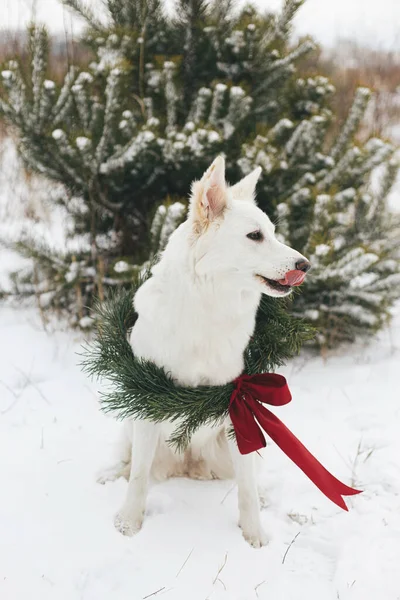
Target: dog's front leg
145	435
249	504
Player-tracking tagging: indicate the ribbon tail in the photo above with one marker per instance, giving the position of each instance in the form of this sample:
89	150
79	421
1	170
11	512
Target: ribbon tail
249	435
298	453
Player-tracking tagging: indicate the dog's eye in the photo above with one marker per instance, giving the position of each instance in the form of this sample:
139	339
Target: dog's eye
256	236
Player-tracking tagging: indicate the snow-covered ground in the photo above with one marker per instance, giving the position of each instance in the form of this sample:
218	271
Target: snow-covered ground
57	539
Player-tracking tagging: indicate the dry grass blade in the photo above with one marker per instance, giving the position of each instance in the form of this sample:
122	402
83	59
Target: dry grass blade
154	593
259	585
290	545
182	567
220	569
227	493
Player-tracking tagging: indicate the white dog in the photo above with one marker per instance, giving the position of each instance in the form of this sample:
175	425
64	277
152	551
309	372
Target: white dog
196	315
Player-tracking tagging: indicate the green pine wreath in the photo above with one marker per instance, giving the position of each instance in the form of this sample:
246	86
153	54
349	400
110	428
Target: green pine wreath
138	388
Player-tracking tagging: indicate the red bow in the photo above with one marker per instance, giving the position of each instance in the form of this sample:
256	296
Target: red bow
245	407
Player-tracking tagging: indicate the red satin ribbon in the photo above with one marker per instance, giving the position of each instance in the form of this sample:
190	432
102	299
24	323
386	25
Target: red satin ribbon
245	407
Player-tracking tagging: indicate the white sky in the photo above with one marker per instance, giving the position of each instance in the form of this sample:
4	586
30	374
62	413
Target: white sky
376	22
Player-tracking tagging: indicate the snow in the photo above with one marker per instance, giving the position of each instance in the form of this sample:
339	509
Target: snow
321	250
152	122
57	134
82	142
58	540
49	85
176	210
213	137
85	77
312	314
109	57
72	272
285	124
139	144
56	521
363	280
121	266
86	322
361	314
237	91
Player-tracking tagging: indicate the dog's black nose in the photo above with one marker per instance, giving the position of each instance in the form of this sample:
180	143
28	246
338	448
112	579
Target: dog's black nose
303	265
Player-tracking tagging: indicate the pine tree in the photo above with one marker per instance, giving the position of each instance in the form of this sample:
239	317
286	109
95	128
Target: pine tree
335	214
162	97
353	245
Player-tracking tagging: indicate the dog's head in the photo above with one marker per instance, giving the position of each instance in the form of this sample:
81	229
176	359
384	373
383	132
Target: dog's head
233	237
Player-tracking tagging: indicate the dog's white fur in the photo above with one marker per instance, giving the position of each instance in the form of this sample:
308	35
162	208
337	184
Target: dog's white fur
196	315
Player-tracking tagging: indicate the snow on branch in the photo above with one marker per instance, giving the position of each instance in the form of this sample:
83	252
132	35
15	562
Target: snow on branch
353	120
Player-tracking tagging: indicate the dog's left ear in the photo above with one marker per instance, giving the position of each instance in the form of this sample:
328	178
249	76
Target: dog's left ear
245	189
209	195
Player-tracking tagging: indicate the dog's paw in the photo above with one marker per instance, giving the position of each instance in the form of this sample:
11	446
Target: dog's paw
127	524
105	475
113	473
255	537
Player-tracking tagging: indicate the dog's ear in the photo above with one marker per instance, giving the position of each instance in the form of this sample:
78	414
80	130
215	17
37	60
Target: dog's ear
209	195
245	189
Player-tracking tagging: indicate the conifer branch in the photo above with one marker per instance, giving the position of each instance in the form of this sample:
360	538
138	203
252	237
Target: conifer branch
83	10
353	120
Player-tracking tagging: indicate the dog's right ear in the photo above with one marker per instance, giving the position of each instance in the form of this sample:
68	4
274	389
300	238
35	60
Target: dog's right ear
209	195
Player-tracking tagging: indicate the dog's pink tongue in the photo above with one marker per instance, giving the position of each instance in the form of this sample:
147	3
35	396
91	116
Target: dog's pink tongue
294	277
